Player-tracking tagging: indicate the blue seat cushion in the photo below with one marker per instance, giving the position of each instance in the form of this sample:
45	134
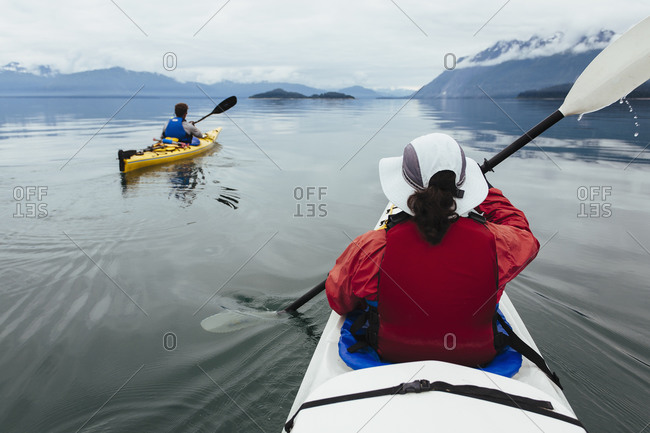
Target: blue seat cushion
506	363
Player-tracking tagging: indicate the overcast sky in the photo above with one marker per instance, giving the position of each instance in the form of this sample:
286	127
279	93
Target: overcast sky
334	43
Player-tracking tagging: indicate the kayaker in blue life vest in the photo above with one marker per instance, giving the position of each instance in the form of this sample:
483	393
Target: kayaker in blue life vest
431	281
178	127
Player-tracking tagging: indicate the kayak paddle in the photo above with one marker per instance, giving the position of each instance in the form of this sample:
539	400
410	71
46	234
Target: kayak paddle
620	68
232	320
224	105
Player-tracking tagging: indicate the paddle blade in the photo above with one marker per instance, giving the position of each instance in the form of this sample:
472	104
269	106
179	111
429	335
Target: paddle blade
234	320
620	68
225	105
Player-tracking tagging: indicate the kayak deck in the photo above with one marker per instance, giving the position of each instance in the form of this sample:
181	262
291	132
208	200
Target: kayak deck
328	376
167	153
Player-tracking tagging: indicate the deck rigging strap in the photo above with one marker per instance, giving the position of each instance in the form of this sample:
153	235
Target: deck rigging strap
540	407
528	352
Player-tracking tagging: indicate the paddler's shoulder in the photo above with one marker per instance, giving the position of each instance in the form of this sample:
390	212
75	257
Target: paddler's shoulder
373	239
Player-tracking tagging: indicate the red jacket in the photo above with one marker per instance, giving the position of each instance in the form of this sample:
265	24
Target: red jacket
355	274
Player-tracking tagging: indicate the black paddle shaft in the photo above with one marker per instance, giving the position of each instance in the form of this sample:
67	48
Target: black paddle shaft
305	298
224	105
522	141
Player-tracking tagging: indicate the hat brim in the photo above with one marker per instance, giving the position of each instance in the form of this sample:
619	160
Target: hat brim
398	191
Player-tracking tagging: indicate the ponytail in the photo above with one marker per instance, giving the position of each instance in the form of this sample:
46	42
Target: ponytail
434	208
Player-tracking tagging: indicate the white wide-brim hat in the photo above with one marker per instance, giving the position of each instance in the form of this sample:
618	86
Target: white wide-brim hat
425	156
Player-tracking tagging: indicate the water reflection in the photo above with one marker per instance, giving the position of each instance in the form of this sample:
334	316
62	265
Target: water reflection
229	197
187	181
614	133
52	110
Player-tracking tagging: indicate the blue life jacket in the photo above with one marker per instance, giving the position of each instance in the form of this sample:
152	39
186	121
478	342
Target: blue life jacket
174	129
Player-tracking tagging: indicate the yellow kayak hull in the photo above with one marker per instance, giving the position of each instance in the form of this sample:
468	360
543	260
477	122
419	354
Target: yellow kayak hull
166	154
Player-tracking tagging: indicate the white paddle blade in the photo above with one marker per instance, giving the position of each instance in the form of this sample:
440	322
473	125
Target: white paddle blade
233	320
620	68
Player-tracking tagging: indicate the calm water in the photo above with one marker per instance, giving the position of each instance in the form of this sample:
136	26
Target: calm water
105	278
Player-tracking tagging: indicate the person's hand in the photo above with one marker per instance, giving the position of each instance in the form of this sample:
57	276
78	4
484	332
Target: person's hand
192	122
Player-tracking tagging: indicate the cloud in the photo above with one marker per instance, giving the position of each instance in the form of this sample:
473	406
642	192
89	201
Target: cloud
325	44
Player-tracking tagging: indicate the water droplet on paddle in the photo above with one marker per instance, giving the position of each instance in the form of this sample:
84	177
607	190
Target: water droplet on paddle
635	116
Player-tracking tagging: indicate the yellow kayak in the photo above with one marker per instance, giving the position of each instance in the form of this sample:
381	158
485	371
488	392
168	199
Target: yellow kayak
159	153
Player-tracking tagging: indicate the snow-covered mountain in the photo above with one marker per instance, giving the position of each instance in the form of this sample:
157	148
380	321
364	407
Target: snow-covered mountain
537	46
509	68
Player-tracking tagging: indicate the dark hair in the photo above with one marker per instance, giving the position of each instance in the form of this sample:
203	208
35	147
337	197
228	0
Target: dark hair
180	110
434	208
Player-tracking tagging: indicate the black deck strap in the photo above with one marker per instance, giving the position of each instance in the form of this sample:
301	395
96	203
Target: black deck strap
341	398
540	407
528	352
369	337
358	323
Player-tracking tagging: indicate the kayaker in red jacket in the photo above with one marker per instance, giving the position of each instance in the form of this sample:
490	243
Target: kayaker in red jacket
432	282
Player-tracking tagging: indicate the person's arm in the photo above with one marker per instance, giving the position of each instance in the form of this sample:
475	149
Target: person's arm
192	130
355	276
515	243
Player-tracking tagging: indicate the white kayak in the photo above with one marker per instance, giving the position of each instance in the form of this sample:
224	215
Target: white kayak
446	410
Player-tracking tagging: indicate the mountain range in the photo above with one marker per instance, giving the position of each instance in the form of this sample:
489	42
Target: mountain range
16	80
538	67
